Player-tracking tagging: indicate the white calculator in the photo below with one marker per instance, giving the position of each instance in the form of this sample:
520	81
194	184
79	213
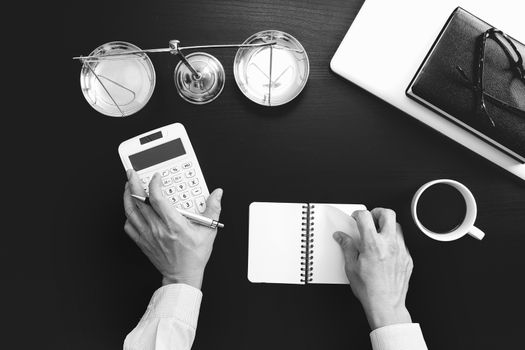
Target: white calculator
168	151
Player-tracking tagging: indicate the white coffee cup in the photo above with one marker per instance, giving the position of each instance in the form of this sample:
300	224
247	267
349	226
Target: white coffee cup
467	226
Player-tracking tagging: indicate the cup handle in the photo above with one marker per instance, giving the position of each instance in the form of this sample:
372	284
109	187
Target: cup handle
476	233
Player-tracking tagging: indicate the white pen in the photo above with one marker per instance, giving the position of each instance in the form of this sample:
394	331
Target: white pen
198	219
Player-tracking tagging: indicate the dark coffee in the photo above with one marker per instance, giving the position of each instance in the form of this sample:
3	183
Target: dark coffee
441	208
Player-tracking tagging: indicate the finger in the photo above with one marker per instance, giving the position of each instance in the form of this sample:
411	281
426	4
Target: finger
136	188
386	220
136	236
349	247
400	237
366	226
409	264
132	212
134	181
132	231
162	206
213	205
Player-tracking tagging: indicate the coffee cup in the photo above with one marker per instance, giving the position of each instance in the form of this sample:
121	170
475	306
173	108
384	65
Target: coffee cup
466	219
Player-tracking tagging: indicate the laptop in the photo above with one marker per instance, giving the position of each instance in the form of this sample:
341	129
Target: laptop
388	40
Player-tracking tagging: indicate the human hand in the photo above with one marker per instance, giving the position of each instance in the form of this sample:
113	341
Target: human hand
177	247
378	266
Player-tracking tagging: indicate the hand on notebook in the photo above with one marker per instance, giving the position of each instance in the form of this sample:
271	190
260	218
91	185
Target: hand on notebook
178	248
378	266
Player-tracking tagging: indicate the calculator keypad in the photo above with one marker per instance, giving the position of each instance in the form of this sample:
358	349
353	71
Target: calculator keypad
170	191
181	186
200	202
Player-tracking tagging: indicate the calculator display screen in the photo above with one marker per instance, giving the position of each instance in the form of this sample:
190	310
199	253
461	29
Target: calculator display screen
158	154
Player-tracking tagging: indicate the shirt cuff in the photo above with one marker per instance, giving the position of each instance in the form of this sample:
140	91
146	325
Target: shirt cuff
403	336
178	300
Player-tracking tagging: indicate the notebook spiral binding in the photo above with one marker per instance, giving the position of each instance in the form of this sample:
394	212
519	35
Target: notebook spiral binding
307	243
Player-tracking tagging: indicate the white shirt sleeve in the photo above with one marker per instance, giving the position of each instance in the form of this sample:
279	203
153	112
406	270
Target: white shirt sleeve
403	336
170	321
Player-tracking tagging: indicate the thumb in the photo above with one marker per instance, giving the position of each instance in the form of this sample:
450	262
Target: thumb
213	205
348	246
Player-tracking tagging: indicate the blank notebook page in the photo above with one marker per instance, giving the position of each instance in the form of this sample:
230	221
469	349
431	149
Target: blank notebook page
328	261
274	245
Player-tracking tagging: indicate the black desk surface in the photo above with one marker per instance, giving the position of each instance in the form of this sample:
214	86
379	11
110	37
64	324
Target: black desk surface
335	143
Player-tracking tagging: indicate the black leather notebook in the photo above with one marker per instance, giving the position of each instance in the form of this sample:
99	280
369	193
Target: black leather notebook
448	81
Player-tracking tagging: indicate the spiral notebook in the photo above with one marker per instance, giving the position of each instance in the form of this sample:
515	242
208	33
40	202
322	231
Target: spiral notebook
292	242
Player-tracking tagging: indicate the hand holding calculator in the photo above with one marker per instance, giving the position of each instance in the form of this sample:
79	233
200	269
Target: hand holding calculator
168	151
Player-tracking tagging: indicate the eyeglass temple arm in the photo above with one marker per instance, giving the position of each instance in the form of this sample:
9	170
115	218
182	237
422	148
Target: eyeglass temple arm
519	64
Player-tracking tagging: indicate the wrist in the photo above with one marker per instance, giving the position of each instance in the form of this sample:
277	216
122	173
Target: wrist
194	281
386	316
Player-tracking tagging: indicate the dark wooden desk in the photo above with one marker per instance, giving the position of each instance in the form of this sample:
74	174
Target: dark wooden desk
335	143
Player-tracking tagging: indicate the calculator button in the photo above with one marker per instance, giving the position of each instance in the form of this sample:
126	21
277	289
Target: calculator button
181	186
180	206
187	204
166	182
190	173
184	195
177	178
170	191
173	199
196	191
165	173
186	165
145	180
200	202
175	169
193	182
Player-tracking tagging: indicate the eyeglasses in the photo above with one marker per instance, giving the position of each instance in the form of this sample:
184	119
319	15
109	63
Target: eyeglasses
270	68
516	68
